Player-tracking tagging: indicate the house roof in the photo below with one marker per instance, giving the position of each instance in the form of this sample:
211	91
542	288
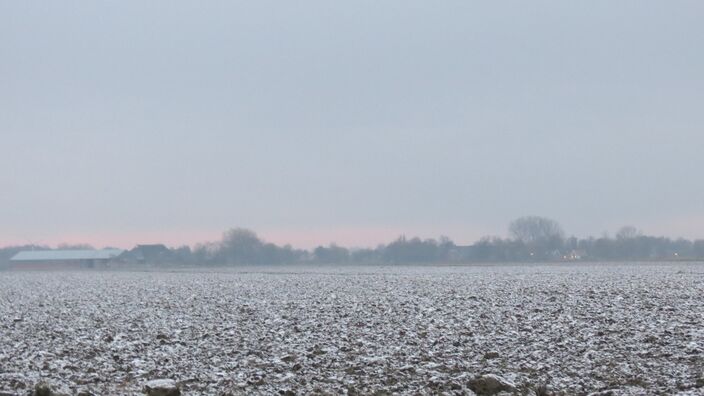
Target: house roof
59	255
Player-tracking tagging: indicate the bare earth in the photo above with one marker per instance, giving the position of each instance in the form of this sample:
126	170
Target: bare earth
570	328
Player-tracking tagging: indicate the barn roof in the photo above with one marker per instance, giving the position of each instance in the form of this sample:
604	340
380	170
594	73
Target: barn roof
59	255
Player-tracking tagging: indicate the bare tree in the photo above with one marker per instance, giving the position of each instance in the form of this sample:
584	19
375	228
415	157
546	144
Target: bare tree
241	246
628	232
536	231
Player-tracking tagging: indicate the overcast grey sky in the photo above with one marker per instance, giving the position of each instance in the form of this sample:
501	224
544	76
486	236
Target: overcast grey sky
320	121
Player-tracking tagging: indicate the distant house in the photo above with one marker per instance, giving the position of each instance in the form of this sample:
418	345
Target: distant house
63	259
460	253
575	255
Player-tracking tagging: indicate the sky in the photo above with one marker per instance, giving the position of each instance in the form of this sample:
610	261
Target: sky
352	122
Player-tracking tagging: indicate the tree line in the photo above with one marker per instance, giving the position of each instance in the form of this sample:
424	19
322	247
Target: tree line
530	239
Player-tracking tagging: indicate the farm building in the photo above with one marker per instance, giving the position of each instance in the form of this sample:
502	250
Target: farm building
63	259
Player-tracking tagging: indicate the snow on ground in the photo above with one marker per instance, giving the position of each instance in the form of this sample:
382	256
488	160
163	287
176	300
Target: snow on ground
574	328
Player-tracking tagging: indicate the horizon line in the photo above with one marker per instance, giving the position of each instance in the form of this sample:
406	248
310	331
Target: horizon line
354	238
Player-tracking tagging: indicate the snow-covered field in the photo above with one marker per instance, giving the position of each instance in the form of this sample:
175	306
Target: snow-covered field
575	328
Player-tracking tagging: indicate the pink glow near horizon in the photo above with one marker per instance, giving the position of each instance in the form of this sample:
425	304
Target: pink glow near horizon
123	240
690	227
311	237
304	238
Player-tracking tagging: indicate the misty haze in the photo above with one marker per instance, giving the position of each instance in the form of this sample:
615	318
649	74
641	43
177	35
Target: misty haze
363	198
